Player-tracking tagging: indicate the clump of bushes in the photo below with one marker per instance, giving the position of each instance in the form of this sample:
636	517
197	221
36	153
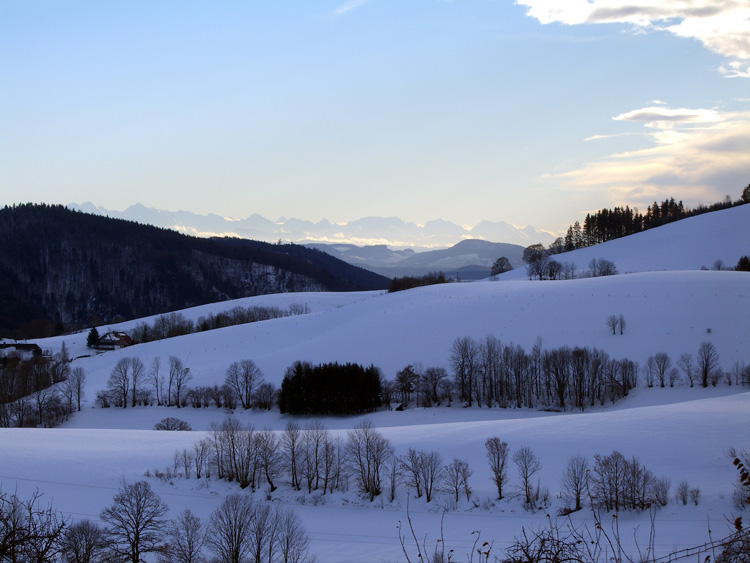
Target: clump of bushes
171	423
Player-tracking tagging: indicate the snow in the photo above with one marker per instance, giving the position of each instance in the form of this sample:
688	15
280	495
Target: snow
683	433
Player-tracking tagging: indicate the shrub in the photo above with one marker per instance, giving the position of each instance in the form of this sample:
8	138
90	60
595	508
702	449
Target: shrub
171	423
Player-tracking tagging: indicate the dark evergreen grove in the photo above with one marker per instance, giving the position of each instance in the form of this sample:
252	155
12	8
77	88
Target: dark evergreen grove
609	224
409	282
329	389
62	269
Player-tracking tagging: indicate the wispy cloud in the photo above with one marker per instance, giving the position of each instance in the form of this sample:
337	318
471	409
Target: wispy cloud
722	27
694	153
658	117
349	6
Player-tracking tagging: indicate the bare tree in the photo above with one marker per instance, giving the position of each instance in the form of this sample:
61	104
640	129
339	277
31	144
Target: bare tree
708	362
612	322
573	482
431	380
622	324
28	530
134	520
456	478
290	442
265	396
243	378
411	464
118	383
137	373
77	381
497	455
230	527
528	465
313	439
201	452
262	533
179	376
156	378
682	492
293	542
431	469
662	362
395	476
368	453
269	456
185	538
685	363
83	542
465	363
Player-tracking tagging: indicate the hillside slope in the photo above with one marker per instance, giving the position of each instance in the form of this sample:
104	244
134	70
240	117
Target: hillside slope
689	244
66	267
670	312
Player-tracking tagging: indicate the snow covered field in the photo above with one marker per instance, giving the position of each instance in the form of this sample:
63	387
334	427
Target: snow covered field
682	433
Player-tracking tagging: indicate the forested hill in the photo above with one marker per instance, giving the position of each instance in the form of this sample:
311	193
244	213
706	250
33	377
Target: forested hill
61	268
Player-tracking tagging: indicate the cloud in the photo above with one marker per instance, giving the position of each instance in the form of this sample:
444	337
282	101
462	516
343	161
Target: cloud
662	117
722	27
695	154
349	6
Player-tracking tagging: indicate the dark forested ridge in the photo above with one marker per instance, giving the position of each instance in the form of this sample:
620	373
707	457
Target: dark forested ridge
62	269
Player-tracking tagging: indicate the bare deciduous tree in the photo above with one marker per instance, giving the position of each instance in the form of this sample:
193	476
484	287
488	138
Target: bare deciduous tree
708	362
528	465
135	520
456	478
573	482
185	538
83	542
118	383
685	363
243	378
137	373
411	464
368	453
229	529
179	375
156	378
497	455
612	322
431	469
290	441
682	492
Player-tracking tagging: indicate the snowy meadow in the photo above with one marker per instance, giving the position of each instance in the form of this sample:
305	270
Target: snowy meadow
678	432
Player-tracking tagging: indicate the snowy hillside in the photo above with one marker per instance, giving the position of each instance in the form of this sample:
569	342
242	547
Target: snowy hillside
682	433
670	312
689	244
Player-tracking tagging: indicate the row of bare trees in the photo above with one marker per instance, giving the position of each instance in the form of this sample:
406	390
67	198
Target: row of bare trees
131	383
177	324
703	369
239	530
313	459
491	373
496	374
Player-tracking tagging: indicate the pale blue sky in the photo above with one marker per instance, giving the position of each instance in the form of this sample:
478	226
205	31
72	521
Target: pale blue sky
423	109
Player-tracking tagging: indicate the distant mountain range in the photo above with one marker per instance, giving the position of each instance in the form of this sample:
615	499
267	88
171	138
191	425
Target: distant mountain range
389	231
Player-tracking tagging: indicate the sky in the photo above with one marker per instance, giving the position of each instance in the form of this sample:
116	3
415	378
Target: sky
533	112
